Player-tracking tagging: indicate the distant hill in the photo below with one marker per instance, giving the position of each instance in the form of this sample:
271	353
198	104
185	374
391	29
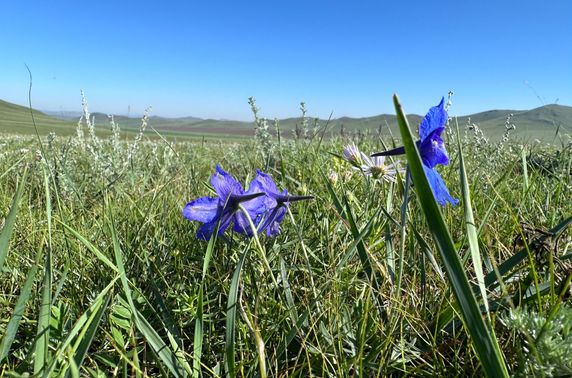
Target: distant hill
18	120
63	114
539	123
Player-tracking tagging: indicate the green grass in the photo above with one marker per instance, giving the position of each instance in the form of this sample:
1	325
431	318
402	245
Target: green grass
103	276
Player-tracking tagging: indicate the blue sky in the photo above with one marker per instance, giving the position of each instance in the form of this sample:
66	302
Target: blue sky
206	58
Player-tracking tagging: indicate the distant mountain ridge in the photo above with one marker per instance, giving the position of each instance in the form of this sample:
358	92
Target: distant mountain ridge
538	123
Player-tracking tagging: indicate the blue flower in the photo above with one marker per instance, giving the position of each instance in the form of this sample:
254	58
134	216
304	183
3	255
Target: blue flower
225	208
432	150
276	203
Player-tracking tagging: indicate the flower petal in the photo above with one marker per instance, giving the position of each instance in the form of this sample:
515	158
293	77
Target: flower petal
265	182
225	185
438	186
242	225
255	203
278	217
434	121
272	220
206	231
202	209
432	150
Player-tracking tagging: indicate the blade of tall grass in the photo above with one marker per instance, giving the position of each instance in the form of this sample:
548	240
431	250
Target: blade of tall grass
345	212
525	183
19	308
85	338
83	322
428	253
13	166
233	305
288	291
8	228
403	230
41	354
93	249
170	327
353	247
484	342
199	322
172	361
471	227
231	317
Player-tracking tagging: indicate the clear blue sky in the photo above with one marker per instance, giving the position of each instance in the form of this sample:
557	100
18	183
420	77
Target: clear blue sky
206	58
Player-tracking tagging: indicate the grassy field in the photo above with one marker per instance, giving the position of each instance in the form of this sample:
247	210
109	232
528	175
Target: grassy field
101	275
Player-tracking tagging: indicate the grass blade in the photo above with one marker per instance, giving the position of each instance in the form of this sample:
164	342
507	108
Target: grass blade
472	235
484	342
82	322
199	323
6	233
170	360
231	317
86	337
43	331
525	183
91	247
18	312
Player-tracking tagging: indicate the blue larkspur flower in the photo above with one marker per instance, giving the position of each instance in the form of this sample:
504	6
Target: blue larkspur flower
432	150
276	203
225	207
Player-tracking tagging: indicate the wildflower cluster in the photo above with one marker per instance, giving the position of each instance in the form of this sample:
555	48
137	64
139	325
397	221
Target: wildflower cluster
262	206
372	167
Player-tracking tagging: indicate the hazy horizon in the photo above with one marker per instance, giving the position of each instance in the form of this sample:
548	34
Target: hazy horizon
152	113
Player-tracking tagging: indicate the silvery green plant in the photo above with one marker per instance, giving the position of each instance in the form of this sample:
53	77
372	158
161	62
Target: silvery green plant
448	105
169	157
552	339
51	139
262	136
94	146
80	137
509	127
132	149
304	125
89	123
115	133
478	135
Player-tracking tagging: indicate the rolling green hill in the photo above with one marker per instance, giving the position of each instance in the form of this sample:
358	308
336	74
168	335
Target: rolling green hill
17	119
540	123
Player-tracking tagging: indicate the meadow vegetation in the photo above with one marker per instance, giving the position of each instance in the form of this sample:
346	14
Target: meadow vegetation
101	275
